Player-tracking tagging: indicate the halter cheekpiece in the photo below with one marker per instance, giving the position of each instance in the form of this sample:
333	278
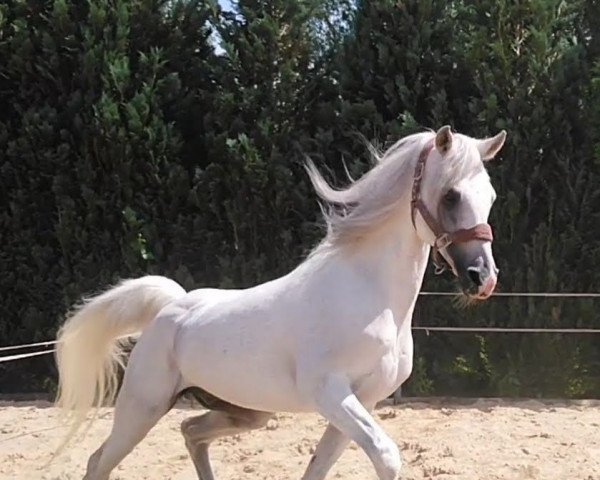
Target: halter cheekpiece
443	239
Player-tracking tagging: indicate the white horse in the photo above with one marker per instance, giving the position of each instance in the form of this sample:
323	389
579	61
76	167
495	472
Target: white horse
333	336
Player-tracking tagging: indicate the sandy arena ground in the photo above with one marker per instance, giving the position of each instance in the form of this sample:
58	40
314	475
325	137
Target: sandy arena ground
440	439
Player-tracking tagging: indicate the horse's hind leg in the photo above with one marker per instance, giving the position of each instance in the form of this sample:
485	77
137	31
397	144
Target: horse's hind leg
146	395
200	431
133	420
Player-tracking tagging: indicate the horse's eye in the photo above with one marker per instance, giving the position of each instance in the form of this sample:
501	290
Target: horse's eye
451	197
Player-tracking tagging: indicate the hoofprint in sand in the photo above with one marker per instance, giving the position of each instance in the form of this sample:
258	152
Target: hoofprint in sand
439	439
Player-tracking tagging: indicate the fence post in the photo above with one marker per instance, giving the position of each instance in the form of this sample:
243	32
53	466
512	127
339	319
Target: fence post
398	395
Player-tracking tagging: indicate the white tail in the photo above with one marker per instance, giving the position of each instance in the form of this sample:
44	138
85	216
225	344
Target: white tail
90	343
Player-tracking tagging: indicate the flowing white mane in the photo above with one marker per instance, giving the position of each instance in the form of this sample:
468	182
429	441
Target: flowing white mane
353	212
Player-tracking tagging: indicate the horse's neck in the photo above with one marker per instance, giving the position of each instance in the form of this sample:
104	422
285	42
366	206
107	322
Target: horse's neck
393	259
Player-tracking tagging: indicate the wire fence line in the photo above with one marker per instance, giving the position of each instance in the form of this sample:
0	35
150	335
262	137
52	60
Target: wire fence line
28	345
581	331
427	329
19	356
506	330
518	294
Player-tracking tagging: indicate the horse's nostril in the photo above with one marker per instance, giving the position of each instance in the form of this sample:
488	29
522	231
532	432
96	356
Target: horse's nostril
475	276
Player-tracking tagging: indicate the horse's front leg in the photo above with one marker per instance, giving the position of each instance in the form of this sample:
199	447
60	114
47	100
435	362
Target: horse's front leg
330	447
338	404
328	451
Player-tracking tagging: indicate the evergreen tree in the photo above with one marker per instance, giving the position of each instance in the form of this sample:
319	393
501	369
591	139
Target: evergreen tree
483	66
87	145
255	196
169	137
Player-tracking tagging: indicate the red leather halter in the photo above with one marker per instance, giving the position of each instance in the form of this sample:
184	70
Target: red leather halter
443	239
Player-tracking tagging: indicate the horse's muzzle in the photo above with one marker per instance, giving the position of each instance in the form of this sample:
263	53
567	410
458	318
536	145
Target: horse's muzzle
480	282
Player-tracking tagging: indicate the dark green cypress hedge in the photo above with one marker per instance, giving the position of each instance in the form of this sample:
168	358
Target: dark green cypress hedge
130	144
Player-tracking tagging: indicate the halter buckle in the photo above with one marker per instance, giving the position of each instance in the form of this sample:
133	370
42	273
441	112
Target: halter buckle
443	241
439	262
439	268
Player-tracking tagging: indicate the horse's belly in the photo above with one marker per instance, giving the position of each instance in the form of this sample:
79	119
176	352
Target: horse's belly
238	370
254	393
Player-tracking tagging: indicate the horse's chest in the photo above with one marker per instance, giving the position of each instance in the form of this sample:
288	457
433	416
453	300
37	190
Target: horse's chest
387	357
387	374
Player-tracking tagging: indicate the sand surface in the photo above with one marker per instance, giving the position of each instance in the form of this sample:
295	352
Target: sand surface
439	439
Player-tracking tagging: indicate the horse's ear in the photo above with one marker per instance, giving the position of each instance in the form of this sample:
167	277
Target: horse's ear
443	139
489	147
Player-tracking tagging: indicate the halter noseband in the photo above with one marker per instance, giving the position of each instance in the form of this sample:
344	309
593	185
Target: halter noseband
443	239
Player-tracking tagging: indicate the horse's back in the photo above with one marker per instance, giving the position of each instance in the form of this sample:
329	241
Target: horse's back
203	297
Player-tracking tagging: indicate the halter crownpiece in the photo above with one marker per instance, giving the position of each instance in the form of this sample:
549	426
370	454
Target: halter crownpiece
443	239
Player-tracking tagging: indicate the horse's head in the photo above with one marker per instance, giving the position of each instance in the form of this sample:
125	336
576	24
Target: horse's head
451	201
